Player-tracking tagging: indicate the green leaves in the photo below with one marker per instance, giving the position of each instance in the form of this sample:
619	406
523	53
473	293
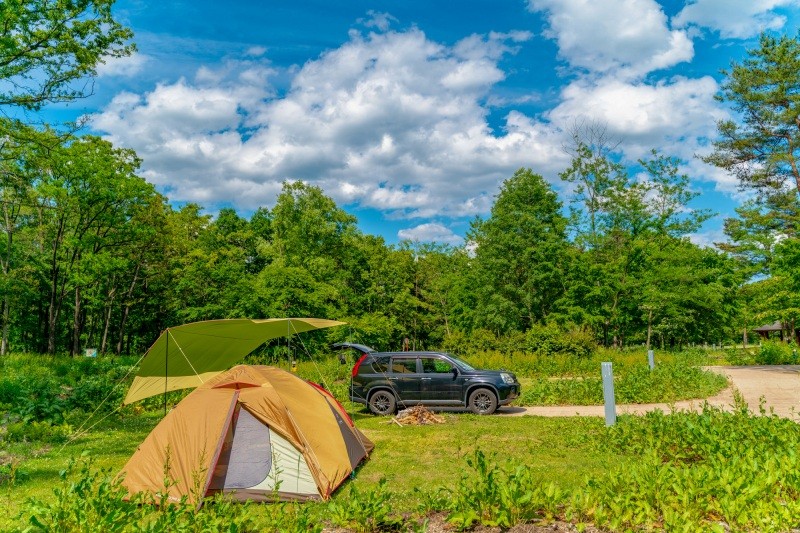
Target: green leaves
493	496
521	255
760	146
46	46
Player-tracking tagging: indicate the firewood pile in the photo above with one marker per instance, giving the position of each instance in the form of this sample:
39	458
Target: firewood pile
417	415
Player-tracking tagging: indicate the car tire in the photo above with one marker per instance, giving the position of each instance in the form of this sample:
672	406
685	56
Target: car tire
382	403
482	402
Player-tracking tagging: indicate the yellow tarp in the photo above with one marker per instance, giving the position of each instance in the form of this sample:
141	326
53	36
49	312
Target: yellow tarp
189	355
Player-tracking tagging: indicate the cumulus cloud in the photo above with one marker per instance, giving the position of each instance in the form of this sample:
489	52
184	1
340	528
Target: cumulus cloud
390	120
629	37
736	19
675	114
614	50
431	232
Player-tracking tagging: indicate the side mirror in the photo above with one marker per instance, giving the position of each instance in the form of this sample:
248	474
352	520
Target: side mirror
455	372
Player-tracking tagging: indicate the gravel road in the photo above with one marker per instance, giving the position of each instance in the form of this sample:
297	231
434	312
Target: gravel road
778	386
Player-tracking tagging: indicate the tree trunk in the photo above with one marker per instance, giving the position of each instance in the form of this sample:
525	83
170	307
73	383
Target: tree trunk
6	263
6	319
55	301
126	308
76	324
444	313
107	318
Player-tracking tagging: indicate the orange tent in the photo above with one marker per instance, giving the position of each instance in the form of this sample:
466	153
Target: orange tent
254	432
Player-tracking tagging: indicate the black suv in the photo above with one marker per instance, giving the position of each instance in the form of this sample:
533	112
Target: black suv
386	380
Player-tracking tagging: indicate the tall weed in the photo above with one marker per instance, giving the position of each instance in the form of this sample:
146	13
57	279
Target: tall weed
699	472
489	495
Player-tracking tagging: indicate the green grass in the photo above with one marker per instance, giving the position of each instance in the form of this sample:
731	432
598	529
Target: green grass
579	468
413	460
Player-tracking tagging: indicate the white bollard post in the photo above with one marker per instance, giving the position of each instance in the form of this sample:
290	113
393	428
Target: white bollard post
650	359
608	393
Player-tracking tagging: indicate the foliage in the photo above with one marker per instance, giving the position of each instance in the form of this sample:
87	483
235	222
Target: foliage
669	382
91	499
47	46
711	471
760	147
365	512
776	353
550	340
520	255
28	431
52	390
494	496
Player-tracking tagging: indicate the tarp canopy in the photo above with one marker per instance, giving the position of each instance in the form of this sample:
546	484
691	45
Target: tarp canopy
189	355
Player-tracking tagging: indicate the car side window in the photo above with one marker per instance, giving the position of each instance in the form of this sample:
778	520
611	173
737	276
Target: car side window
380	366
434	365
404	365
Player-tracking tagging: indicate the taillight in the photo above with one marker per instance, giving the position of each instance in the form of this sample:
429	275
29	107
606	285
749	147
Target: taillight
358	364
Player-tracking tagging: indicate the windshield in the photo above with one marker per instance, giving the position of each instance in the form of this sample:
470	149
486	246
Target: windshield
463	365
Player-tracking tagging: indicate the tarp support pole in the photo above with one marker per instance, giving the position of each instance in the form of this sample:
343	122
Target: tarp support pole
166	369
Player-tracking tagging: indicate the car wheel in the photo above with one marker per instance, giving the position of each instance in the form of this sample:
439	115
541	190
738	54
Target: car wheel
482	402
382	403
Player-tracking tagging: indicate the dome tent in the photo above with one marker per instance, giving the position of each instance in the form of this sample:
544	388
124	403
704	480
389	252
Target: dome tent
254	432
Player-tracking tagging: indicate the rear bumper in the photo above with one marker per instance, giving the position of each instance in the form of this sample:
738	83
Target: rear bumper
357	395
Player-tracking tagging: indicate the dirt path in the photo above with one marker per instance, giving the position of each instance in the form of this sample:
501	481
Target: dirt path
779	386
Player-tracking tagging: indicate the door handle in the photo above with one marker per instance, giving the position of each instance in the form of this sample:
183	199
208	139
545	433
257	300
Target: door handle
426	379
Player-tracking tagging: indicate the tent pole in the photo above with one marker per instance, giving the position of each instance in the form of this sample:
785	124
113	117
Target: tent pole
166	369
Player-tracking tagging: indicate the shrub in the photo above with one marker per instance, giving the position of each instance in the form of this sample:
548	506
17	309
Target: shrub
91	499
776	353
36	431
712	471
550	340
365	512
492	496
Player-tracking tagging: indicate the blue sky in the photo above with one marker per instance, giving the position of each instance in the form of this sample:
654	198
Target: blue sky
411	114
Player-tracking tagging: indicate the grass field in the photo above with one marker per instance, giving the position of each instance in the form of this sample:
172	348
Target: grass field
651	473
414	460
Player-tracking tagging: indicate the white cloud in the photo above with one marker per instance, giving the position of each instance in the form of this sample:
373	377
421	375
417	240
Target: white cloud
630	37
709	238
392	121
256	51
737	19
430	233
378	20
674	115
127	66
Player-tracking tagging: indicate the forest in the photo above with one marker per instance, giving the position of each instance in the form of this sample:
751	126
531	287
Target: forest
93	256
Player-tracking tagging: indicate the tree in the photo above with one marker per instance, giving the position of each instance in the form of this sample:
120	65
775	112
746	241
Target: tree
46	46
17	204
93	199
520	254
762	147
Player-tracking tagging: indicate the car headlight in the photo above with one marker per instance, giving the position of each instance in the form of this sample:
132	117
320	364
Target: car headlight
507	378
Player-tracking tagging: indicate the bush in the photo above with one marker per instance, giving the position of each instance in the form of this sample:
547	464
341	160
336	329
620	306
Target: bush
668	382
91	499
550	340
37	432
712	471
776	353
492	496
